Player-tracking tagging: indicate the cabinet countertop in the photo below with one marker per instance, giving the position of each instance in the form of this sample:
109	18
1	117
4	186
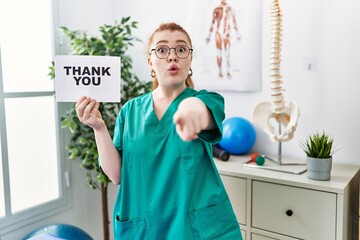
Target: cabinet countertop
341	174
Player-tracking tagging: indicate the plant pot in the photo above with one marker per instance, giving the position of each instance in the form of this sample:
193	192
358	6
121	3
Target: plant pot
319	168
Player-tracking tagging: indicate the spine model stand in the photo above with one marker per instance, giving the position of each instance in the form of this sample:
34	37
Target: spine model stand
276	117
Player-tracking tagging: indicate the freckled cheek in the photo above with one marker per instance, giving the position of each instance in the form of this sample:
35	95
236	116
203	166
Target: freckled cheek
187	65
156	62
159	68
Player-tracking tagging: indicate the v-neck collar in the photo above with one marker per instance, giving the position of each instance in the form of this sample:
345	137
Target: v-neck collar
169	112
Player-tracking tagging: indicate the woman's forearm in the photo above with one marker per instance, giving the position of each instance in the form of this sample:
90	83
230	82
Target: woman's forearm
110	159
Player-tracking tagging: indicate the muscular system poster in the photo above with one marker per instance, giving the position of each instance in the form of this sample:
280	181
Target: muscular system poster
227	44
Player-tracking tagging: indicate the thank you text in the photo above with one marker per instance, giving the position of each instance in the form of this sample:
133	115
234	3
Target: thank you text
97	77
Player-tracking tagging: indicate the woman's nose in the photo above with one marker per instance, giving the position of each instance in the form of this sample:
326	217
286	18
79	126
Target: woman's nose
172	55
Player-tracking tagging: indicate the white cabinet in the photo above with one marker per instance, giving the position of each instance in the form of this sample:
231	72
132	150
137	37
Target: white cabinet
293	211
259	237
236	189
274	205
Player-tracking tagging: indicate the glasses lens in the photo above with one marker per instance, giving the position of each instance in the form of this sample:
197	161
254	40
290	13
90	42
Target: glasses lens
162	51
182	51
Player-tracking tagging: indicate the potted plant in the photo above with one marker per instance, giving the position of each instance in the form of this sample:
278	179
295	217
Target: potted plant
114	40
319	148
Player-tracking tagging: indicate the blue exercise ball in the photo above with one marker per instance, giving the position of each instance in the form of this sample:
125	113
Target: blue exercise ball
59	231
238	137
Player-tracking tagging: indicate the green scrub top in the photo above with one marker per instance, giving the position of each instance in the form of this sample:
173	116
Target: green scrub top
169	189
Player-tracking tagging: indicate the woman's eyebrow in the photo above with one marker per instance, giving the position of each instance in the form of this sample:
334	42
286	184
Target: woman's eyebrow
166	41
181	41
161	41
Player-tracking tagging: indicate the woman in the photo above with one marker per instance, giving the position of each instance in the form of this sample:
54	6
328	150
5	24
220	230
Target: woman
161	151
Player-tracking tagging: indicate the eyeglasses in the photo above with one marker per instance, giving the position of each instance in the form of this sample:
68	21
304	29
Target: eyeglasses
162	51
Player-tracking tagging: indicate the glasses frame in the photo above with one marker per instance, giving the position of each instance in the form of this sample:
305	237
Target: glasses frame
169	51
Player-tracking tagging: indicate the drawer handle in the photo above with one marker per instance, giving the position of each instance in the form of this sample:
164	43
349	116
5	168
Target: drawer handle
289	213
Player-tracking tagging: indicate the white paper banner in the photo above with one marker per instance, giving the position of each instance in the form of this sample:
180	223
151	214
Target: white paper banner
97	77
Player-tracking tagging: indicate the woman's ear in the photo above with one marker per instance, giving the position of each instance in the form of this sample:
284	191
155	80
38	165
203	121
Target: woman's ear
150	66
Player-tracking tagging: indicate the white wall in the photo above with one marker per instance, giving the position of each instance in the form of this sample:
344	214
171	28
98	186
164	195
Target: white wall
328	30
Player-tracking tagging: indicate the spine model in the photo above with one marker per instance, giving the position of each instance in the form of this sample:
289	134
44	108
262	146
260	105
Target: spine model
277	98
277	118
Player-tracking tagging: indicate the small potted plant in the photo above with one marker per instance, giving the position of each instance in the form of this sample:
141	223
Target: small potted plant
319	148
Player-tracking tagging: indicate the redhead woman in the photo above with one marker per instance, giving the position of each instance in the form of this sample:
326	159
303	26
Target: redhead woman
161	152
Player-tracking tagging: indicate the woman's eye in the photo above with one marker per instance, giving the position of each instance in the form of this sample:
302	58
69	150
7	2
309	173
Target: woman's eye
161	50
181	49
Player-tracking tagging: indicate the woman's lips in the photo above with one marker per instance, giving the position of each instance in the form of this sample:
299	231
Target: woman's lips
173	69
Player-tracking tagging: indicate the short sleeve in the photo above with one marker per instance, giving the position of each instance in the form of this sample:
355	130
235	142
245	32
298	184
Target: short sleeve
119	129
215	103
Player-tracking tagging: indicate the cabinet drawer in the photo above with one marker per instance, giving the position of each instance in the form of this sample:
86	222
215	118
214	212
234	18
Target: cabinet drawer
236	189
243	234
255	236
293	211
259	237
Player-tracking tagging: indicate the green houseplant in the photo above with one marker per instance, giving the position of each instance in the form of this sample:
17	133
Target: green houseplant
114	40
319	148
